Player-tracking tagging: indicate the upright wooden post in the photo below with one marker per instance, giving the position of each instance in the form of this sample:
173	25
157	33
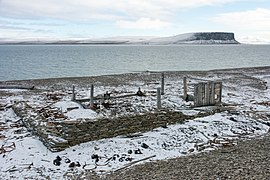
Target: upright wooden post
207	94
185	88
73	98
92	96
158	98
162	84
199	94
211	93
218	92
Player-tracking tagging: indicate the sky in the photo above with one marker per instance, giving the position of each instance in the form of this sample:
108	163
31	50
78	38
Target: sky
88	19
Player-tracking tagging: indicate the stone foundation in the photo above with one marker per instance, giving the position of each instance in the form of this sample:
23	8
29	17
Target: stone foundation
58	134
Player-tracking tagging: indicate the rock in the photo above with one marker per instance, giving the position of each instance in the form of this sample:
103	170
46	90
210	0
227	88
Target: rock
96	157
145	146
121	159
129	159
233	119
138	151
57	161
72	165
67	160
78	164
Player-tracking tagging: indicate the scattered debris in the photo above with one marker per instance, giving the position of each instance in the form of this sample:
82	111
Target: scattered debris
210	127
7	148
134	162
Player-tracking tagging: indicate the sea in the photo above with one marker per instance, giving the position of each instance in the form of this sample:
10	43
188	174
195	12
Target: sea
21	62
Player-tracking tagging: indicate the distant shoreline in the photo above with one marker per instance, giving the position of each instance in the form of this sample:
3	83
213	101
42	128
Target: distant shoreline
187	38
129	78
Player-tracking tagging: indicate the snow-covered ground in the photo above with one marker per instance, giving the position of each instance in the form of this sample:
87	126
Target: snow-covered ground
23	156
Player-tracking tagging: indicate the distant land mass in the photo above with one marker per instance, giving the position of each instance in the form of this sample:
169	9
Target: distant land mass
188	38
197	38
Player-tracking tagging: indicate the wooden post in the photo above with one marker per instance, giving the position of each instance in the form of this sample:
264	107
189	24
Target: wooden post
158	98
162	84
73	98
207	94
196	90
211	93
92	96
218	92
185	88
199	94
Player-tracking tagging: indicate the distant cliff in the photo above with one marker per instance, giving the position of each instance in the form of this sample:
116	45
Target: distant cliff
215	36
197	38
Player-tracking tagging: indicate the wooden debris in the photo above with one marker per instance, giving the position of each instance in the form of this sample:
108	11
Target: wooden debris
134	162
8	148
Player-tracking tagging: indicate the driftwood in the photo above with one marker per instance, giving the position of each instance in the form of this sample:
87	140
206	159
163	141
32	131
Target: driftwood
8	148
134	162
14	168
112	97
16	87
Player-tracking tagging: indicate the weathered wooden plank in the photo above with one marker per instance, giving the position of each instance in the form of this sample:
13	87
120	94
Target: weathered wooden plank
185	88
111	97
92	96
162	84
73	98
158	98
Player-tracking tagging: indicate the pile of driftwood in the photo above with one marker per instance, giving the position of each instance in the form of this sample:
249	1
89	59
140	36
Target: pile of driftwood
7	148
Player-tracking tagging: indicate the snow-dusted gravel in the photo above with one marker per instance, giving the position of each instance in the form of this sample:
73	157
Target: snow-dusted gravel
246	95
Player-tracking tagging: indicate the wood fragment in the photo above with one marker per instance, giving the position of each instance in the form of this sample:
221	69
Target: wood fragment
4	149
134	162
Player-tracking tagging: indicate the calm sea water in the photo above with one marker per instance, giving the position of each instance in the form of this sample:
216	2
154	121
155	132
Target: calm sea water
47	61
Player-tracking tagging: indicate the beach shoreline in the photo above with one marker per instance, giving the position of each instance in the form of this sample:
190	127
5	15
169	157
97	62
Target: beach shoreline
117	79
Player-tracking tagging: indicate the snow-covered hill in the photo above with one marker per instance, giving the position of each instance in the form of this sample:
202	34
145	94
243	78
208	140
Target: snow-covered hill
197	38
188	38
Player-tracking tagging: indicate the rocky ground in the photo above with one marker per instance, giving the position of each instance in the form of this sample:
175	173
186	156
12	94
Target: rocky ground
249	159
245	90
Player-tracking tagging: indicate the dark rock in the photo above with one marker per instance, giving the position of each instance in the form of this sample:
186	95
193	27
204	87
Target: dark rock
129	151
129	159
233	119
78	164
67	160
145	146
57	161
164	126
96	157
72	165
121	159
140	93
138	151
115	156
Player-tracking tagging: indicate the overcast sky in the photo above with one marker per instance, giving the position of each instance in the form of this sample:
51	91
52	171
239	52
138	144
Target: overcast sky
76	19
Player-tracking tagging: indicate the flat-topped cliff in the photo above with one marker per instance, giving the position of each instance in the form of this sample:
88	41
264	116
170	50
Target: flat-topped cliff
197	38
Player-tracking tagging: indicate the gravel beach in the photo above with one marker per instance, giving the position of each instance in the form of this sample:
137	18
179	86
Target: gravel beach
249	159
